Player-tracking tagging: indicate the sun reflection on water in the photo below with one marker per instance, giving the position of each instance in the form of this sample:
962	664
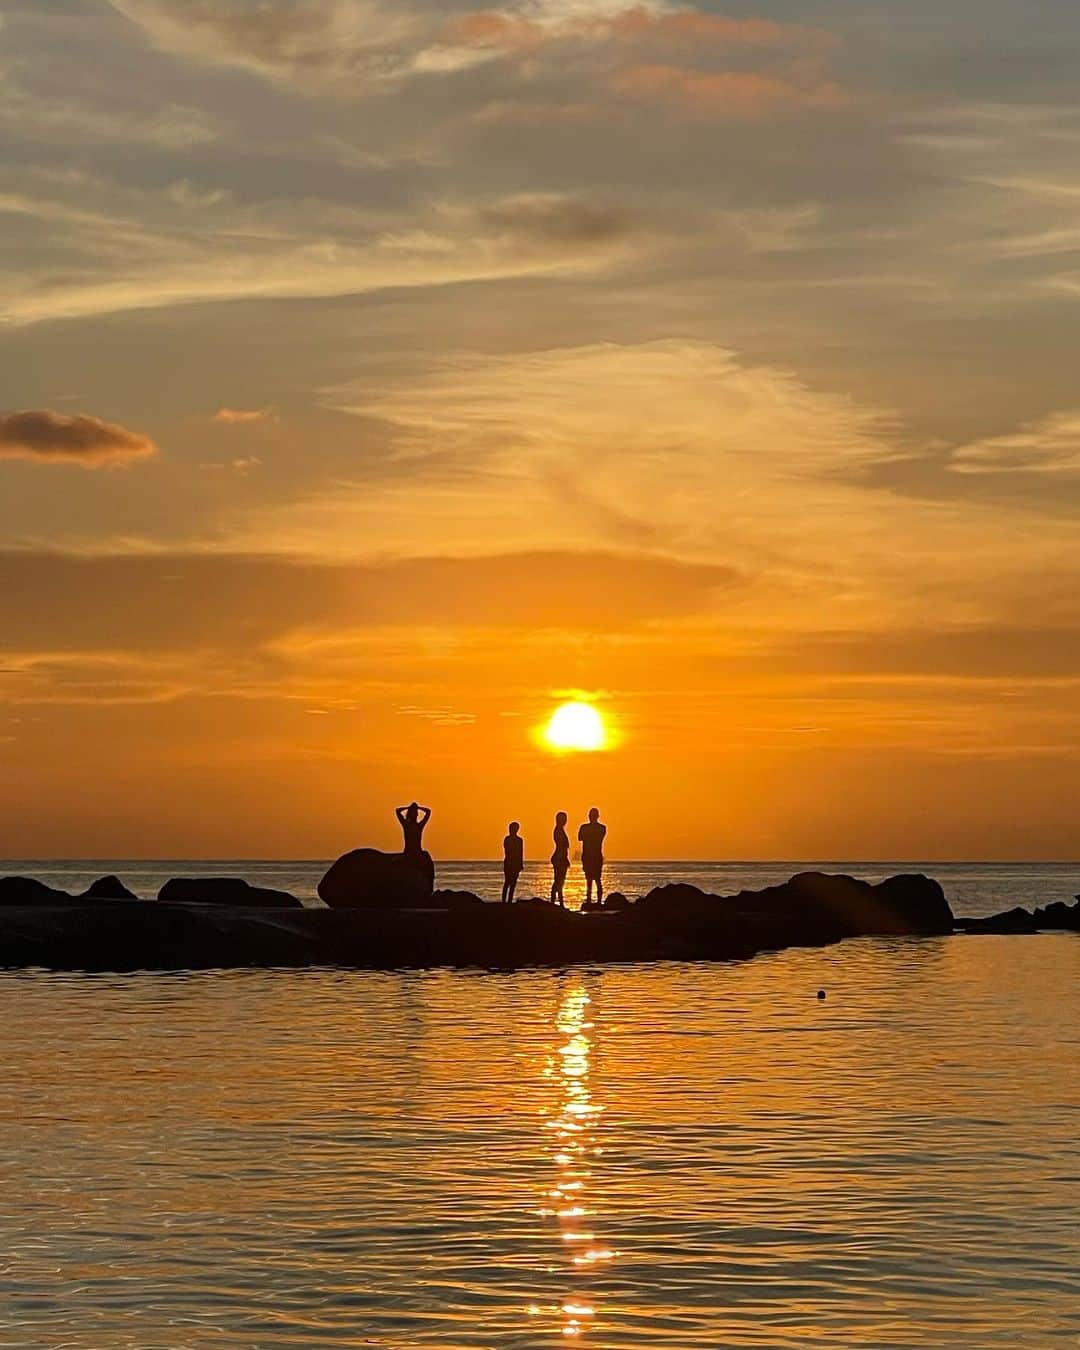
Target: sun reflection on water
572	1128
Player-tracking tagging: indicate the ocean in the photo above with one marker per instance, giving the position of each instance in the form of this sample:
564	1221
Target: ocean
658	1157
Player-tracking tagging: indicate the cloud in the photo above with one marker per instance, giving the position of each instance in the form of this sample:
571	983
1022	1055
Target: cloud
191	601
1050	445
554	219
280	250
59	438
233	417
684	59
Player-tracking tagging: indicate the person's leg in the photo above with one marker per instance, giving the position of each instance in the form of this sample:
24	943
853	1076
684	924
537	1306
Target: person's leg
599	888
511	887
506	883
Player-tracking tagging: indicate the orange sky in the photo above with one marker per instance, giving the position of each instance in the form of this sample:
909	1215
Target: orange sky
374	377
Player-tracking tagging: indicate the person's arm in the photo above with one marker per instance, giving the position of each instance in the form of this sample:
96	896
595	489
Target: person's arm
399	811
426	815
581	834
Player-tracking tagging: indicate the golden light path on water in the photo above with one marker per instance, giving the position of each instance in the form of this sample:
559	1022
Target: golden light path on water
570	1123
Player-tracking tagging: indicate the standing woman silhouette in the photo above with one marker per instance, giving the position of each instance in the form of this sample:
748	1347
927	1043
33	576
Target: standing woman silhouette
560	859
412	819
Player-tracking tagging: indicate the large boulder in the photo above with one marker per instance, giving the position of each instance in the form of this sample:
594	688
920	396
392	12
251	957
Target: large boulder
28	891
225	891
108	888
823	906
368	879
911	903
688	921
812	908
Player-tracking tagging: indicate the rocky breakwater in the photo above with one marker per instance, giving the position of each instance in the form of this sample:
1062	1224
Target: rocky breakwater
1058	917
223	922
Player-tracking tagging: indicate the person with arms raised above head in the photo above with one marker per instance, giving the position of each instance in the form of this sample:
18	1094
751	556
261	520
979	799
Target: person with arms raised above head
513	861
412	819
560	859
591	837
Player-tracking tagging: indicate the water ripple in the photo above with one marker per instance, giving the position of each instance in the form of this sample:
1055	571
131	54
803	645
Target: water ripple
665	1157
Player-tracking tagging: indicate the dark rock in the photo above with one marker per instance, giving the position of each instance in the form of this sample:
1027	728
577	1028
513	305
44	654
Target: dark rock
455	900
910	903
1007	922
368	879
108	888
224	891
684	920
1059	915
1011	921
27	891
452	929
616	902
811	909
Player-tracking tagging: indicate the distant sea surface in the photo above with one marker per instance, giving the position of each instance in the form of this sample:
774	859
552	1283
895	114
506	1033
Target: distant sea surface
683	1156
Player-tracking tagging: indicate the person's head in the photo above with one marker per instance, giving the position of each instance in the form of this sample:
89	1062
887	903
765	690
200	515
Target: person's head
514	827
413	811
561	818
594	815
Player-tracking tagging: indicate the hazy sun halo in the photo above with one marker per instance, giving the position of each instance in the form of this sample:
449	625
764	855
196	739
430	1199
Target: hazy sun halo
576	726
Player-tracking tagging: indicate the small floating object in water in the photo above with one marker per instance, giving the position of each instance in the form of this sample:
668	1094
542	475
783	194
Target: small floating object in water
821	993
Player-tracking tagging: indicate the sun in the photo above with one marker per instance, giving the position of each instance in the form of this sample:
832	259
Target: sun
576	726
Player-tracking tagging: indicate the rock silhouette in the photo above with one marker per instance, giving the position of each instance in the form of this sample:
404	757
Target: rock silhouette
1059	916
388	915
108	888
225	891
368	879
455	900
27	891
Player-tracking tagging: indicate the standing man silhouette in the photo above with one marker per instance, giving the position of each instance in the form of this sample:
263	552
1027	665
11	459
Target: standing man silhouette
513	861
591	837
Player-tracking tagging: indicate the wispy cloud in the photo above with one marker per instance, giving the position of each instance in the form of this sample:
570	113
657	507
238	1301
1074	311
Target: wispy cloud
1048	446
236	417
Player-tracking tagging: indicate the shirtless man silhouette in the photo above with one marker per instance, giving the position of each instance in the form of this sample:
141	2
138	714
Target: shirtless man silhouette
591	837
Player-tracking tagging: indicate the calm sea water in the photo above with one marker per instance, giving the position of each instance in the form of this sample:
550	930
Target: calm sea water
659	1157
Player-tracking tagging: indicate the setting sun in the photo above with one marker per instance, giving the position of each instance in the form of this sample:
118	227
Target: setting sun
576	726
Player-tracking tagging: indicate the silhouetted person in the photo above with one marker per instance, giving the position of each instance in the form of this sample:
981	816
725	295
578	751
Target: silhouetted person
591	836
513	861
412	819
560	859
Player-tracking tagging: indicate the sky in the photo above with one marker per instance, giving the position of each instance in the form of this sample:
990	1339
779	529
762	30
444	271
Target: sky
376	376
